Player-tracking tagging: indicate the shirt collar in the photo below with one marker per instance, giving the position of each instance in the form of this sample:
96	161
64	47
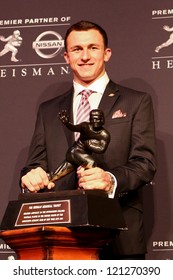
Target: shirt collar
97	86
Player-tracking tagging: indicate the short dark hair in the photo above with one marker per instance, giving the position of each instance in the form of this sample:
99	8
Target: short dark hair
84	25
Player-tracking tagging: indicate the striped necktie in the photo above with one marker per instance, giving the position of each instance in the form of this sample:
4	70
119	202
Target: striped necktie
84	109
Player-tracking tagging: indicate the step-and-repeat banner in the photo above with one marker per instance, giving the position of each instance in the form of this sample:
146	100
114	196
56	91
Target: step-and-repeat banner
32	69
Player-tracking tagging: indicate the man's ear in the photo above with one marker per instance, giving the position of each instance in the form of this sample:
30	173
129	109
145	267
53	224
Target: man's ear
108	54
66	57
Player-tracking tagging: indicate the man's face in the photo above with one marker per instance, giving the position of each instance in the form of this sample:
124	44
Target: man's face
86	55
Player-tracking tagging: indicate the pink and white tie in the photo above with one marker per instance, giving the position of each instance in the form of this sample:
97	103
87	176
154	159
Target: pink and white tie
84	109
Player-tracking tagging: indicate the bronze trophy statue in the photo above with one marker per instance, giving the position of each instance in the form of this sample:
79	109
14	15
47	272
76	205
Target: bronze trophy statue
93	138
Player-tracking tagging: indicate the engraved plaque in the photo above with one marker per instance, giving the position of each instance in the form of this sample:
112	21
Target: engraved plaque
39	213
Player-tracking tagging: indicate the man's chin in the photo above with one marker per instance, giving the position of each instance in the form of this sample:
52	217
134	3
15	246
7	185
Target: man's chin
87	79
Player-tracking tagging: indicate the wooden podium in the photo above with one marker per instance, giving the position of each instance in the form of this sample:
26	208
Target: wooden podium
56	243
89	222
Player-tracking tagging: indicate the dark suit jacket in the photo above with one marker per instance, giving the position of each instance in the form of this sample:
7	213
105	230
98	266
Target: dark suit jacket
130	155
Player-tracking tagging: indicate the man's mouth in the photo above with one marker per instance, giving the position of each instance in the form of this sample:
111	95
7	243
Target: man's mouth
86	64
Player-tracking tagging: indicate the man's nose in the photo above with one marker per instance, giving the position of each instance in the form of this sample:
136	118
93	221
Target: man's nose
85	54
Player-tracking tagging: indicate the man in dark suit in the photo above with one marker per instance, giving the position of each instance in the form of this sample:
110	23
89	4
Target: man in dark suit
129	161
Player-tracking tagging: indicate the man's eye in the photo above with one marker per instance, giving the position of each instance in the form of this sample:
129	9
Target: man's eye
77	50
94	48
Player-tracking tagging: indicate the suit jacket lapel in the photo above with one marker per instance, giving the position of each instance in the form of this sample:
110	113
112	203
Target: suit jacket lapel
109	98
